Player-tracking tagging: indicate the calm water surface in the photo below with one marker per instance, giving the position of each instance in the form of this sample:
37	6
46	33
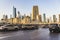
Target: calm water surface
40	34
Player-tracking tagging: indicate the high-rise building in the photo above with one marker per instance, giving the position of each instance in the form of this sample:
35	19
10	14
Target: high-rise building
23	16
40	18
59	18
19	16
44	18
54	18
6	17
48	20
35	12
10	16
14	12
3	16
30	16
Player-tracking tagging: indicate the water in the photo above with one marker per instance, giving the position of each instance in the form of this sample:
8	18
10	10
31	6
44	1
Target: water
40	34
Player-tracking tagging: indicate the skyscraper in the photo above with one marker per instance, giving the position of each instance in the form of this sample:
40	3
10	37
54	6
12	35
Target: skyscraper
44	18
35	12
10	16
19	16
59	18
40	18
5	17
14	12
48	20
54	18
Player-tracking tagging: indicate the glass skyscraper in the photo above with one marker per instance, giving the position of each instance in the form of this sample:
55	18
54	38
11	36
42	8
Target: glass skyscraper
44	18
14	12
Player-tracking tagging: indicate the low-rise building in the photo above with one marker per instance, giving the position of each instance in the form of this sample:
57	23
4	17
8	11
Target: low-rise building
26	20
14	20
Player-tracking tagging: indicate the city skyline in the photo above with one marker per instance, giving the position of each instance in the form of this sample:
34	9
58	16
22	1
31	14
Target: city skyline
49	7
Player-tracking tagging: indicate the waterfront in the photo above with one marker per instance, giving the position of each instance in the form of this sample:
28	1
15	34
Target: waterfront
39	34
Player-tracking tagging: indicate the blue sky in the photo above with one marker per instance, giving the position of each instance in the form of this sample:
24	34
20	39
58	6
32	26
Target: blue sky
49	7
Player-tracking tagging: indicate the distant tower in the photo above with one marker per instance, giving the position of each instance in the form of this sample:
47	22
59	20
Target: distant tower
6	17
35	12
30	16
54	18
24	15
59	18
3	16
48	20
40	17
19	16
14	12
10	16
44	18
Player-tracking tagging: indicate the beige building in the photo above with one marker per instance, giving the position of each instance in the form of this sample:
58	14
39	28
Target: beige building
59	18
40	18
54	19
26	20
35	12
10	20
15	21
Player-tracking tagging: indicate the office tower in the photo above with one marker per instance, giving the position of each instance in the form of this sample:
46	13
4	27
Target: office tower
48	20
54	18
35	12
19	16
10	16
30	16
3	16
6	17
14	12
23	16
40	18
59	18
44	18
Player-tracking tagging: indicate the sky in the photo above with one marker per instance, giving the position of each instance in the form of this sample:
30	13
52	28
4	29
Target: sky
49	7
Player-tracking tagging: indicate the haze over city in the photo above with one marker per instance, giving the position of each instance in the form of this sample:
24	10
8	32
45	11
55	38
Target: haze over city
49	7
29	19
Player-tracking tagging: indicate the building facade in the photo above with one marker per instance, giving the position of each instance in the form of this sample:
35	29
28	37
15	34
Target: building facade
44	18
35	12
54	18
14	12
59	18
40	17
